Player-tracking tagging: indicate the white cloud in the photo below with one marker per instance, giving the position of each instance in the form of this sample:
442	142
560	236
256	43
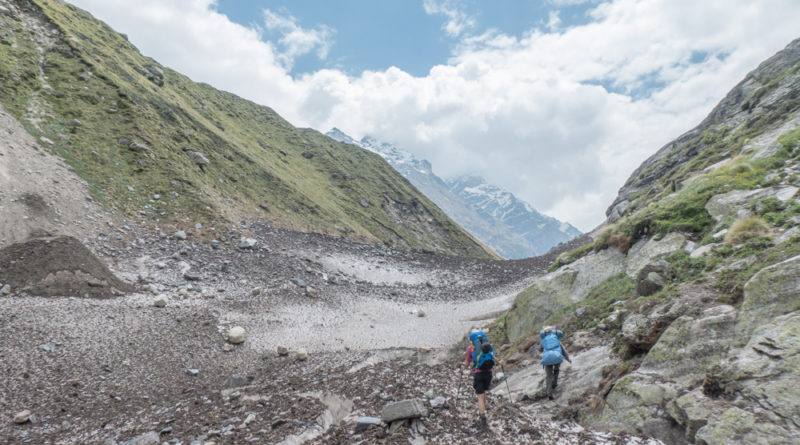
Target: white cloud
528	112
560	3
457	20
554	20
296	40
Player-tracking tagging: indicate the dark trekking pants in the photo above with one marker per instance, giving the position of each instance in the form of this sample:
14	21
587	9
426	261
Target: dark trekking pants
551	379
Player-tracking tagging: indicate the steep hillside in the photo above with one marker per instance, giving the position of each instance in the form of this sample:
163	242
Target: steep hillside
683	315
504	223
154	144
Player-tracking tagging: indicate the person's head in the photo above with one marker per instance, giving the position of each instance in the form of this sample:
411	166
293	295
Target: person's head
548	329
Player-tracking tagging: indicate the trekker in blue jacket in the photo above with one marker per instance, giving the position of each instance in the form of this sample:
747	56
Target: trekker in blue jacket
553	353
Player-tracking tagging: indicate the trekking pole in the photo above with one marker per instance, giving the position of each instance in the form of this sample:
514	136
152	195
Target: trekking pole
460	383
505	377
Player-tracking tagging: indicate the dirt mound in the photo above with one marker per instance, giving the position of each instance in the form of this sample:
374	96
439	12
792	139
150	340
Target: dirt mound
57	266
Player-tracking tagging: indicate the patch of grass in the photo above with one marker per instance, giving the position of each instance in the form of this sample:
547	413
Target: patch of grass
745	229
775	211
608	238
732	280
644	305
790	140
570	257
685	268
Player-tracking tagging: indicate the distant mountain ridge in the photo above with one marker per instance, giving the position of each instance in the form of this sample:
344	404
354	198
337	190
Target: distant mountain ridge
506	224
541	231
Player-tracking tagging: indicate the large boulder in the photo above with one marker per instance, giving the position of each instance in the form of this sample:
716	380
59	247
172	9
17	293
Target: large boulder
555	291
771	292
404	409
646	251
652	278
640	332
738	425
690	345
692	411
734	204
773	349
637	405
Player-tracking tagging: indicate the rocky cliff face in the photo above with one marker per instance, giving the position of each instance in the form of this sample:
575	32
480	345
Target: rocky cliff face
504	223
689	293
766	98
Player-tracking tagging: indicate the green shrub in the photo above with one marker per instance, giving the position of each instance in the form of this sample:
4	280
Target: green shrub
745	229
571	257
790	140
685	268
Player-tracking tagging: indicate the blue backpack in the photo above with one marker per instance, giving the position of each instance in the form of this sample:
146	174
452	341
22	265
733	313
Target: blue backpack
482	352
551	345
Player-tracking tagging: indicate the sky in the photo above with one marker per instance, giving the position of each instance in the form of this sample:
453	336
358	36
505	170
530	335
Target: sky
557	101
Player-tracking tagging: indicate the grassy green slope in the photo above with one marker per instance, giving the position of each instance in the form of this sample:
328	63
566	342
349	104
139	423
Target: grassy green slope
57	63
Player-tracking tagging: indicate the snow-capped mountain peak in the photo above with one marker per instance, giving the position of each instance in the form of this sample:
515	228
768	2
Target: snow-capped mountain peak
510	226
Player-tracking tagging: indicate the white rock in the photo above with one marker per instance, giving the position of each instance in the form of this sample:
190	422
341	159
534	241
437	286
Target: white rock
236	335
22	416
702	250
302	354
180	234
184	267
160	302
247	243
438	402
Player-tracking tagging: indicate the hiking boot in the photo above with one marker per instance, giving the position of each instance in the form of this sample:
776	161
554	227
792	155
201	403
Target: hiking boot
483	421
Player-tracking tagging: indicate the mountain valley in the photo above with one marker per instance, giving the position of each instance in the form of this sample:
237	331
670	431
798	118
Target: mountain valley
181	266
